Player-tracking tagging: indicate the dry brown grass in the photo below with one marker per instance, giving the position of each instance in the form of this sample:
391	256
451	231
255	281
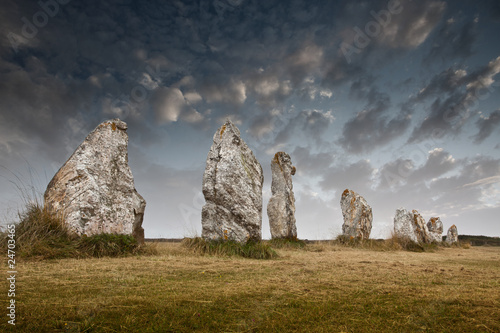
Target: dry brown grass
324	288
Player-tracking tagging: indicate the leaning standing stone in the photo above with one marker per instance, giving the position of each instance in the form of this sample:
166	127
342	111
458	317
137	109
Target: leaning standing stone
357	215
94	190
452	236
232	186
281	206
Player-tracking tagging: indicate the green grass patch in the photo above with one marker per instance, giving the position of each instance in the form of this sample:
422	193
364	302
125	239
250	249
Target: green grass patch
251	249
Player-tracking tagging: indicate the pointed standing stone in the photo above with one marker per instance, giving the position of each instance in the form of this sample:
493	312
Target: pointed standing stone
435	227
94	190
281	206
232	186
452	236
357	215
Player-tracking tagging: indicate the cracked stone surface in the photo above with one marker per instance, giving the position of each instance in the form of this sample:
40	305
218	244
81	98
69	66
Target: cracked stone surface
357	215
452	235
232	187
435	227
281	206
411	225
94	189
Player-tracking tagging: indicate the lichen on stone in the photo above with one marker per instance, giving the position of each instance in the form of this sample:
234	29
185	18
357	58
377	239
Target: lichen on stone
281	206
95	189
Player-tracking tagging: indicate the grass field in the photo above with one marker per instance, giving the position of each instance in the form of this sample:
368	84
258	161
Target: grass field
320	288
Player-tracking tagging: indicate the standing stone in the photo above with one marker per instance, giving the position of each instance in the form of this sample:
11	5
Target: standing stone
411	225
232	186
452	236
94	190
357	215
435	227
281	206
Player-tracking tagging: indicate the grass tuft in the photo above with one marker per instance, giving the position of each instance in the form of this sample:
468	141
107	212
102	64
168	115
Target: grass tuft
251	249
394	243
287	243
42	234
108	245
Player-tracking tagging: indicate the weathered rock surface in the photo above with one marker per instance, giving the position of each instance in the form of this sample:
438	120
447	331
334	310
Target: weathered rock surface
452	236
357	215
411	225
281	206
232	186
94	189
435	227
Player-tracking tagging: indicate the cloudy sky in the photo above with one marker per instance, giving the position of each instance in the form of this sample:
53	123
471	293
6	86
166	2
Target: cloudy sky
396	100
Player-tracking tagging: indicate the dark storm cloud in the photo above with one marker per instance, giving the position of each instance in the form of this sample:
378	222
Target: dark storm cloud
438	163
454	39
400	172
377	31
493	9
220	45
356	176
394	174
307	124
311	163
473	171
486	126
374	126
455	92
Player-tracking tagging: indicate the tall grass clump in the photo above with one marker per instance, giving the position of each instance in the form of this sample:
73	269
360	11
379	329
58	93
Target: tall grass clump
404	243
250	249
109	245
356	242
287	243
42	234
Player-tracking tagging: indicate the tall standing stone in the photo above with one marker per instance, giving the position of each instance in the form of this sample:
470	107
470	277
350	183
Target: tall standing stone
94	190
435	227
411	225
452	236
357	215
281	206
232	186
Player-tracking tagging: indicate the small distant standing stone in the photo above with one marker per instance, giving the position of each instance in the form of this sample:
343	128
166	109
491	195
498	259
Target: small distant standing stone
452	236
281	206
435	227
357	215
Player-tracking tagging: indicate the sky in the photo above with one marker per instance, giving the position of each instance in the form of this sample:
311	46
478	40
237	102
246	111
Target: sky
396	100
